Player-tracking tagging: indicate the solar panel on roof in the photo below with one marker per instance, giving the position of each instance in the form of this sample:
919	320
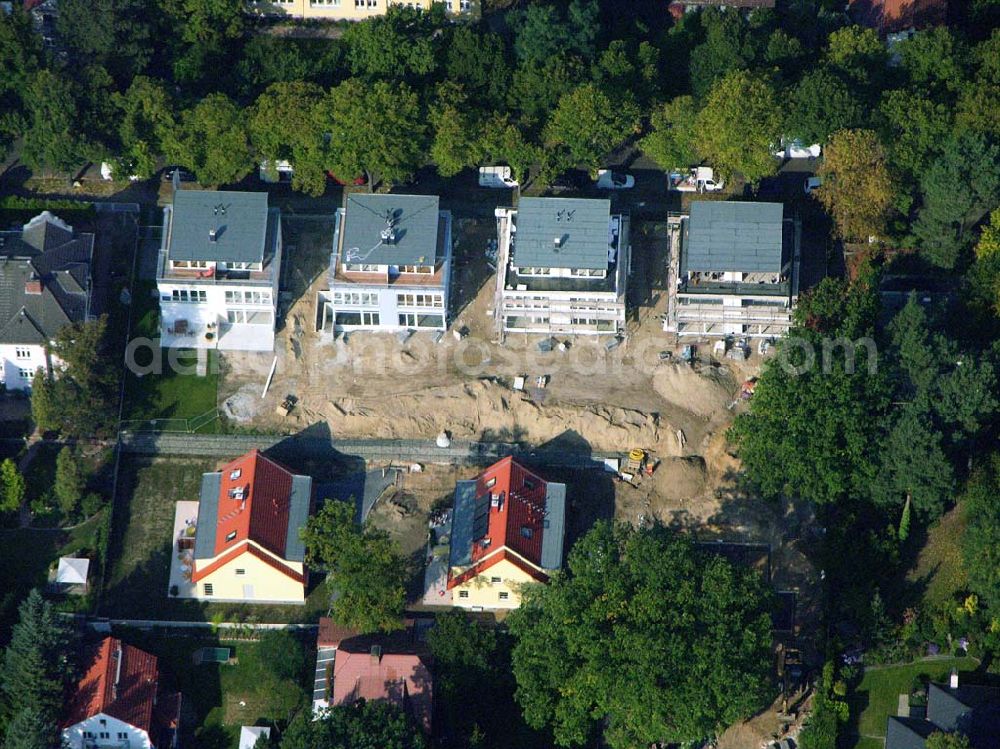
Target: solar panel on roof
481	520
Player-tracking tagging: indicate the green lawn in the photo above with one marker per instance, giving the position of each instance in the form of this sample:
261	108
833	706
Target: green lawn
877	697
213	692
142	544
171	397
939	564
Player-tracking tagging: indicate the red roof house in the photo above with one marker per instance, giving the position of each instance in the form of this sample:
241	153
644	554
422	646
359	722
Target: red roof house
393	667
247	544
891	16
120	697
508	518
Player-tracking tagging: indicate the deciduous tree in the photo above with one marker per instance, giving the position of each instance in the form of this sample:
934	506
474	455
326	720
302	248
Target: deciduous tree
942	740
739	125
13	485
397	45
858	52
857	188
146	118
820	105
981	542
211	139
362	725
456	144
283	127
644	635
367	573
50	137
671	141
588	125
543	32
69	480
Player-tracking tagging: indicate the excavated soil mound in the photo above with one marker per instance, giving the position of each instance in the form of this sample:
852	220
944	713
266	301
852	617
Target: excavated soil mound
706	393
487	410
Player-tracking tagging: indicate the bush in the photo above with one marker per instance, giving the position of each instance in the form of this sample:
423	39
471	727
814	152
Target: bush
92	504
285	654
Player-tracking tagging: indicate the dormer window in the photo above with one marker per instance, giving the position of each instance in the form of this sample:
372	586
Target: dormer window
231	536
233	475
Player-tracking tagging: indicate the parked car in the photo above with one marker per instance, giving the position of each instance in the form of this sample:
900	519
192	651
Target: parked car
698	179
182	174
796	149
496	177
277	171
362	180
609	180
811	184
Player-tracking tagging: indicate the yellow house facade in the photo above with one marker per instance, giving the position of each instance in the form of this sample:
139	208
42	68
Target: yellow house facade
359	10
252	575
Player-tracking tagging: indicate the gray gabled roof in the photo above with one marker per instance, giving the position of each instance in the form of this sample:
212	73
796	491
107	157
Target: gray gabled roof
733	237
239	220
555	526
414	229
907	733
208	515
460	553
580	225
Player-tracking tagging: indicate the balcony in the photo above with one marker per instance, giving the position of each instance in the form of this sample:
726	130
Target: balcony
735	288
212	275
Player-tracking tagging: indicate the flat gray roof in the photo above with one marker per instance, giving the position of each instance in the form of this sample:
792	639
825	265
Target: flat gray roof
581	226
239	220
208	516
460	553
734	237
415	229
298	514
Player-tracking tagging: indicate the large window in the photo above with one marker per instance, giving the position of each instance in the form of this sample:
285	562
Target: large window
189	264
248	317
355	298
420	300
361	268
198	296
416	269
357	318
253	296
22	353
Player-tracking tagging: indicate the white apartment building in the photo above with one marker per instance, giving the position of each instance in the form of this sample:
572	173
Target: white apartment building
390	267
218	271
563	267
359	10
45	285
734	270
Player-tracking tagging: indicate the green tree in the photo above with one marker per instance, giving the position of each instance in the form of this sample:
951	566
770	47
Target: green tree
32	729
543	32
504	142
673	134
859	53
400	44
823	724
477	60
69	481
282	127
915	466
915	127
904	522
207	24
857	188
367	572
820	105
50	137
961	187
43	402
284	652
211	139
934	60
537	87
981	542
739	124
390	147
456	144
588	125
35	665
82	397
145	119
942	740
728	46
362	725
20	52
14	486
115	34
813	425
647	636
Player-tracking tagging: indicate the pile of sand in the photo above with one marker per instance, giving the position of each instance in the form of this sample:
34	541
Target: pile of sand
489	411
704	393
679	479
243	405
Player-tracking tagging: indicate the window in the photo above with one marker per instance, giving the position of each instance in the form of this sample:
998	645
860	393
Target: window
534	271
465	5
408	319
358	318
122	735
189	263
197	296
208	589
352	298
416	269
25	374
504	595
420	300
526	531
89	735
587	272
22	353
104	722
360	268
494	580
233	475
104	734
241	572
248	297
491	482
529	484
463	594
231	535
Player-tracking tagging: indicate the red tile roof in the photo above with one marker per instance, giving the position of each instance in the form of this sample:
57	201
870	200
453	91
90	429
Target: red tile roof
203	571
401	678
255	504
120	681
518	522
887	16
485	564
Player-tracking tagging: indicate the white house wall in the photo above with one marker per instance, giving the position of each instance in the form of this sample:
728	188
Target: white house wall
15	362
100	724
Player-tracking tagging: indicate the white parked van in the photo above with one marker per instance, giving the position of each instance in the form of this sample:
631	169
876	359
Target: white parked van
496	177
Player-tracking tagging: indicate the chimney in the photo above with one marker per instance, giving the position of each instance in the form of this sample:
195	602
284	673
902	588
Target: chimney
376	654
557	241
118	671
953	681
212	235
33	285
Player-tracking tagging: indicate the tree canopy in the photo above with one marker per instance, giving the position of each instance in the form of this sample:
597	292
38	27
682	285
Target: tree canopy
857	188
362	725
636	610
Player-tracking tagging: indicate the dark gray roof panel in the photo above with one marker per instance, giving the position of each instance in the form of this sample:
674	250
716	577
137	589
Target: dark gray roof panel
298	514
734	237
208	516
555	531
415	229
461	523
580	225
239	220
907	733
